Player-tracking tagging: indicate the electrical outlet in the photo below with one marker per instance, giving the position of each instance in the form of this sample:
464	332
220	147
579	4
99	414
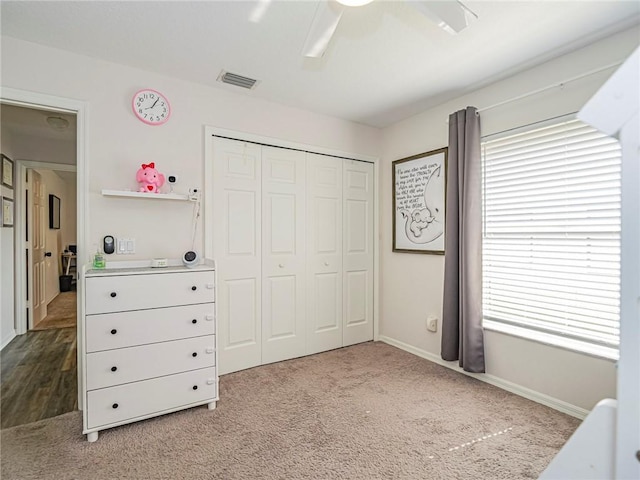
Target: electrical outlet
432	323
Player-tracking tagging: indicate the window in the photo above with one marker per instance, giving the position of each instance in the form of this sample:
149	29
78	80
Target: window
551	236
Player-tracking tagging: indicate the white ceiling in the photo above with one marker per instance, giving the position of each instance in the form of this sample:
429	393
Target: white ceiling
386	62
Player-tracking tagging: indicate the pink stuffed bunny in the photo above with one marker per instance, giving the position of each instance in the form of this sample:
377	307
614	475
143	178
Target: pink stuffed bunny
149	178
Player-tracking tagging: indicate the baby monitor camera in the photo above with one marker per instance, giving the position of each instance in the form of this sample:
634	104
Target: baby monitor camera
190	258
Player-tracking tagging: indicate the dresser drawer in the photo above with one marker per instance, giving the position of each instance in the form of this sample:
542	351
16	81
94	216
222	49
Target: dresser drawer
126	365
126	329
136	292
127	402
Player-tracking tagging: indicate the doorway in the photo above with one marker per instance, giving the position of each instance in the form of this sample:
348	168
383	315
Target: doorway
39	366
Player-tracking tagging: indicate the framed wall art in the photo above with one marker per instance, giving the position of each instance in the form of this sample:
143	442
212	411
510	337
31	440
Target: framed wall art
54	212
7	171
7	212
419	188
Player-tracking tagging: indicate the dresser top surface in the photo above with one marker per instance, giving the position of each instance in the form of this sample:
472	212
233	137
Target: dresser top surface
123	269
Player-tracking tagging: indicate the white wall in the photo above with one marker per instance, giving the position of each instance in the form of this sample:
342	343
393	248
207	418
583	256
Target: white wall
118	143
411	285
68	220
55	185
7	330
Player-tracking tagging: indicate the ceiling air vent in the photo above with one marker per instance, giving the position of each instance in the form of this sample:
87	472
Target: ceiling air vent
237	80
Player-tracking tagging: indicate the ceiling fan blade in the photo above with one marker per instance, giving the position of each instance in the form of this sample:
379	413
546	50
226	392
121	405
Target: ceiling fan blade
324	23
451	15
259	11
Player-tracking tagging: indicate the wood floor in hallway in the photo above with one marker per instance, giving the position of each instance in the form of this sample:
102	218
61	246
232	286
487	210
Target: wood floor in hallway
38	378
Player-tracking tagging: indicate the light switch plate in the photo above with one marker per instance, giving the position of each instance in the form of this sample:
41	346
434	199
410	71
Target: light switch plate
126	246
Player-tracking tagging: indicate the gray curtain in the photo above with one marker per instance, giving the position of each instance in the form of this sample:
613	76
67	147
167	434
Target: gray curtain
462	337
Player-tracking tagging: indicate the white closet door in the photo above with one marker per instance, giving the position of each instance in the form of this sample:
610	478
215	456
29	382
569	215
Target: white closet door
283	254
237	191
358	191
324	253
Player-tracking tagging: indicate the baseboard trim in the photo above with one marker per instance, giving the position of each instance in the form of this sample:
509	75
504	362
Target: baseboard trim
8	340
555	403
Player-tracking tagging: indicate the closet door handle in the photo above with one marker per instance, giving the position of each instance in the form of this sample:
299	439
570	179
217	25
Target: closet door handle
113	369
194	321
114	406
113	331
194	354
194	288
113	294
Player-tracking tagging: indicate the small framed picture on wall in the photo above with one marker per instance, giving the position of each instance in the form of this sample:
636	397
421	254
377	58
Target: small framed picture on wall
7	171
7	212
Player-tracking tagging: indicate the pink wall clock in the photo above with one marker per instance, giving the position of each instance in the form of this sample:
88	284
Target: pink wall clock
151	107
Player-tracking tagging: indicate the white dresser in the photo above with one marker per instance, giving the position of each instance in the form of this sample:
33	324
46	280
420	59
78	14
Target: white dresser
149	343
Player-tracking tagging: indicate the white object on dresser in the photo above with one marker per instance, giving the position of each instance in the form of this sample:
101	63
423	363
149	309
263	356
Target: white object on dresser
149	343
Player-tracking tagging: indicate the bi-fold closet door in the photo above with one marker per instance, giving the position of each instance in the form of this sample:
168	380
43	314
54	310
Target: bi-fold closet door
293	241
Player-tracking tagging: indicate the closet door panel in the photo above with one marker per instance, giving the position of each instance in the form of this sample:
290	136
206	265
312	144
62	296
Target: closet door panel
283	254
324	253
358	191
237	250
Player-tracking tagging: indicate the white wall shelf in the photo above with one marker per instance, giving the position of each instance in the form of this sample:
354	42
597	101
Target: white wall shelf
155	196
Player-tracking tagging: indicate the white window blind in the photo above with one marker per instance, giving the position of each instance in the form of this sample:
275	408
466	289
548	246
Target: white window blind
551	240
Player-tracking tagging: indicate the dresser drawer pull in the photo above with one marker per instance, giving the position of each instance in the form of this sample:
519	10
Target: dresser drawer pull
115	405
113	331
211	381
113	294
113	369
194	321
195	387
194	288
210	350
209	318
194	354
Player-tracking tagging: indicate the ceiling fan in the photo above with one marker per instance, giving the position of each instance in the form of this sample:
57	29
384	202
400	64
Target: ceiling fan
450	15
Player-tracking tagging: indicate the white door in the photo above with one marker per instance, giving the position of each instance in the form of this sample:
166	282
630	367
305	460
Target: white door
37	235
324	253
237	250
283	254
357	256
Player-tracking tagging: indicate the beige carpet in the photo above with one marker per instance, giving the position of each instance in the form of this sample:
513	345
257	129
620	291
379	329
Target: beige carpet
61	312
364	412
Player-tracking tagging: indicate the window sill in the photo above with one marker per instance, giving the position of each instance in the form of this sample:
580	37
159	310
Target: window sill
598	351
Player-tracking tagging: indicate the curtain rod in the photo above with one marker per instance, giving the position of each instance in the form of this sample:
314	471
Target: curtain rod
549	87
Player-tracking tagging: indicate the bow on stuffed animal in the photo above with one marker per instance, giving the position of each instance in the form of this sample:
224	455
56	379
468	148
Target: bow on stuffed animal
149	178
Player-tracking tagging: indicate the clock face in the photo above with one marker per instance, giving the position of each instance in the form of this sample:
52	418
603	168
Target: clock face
151	107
